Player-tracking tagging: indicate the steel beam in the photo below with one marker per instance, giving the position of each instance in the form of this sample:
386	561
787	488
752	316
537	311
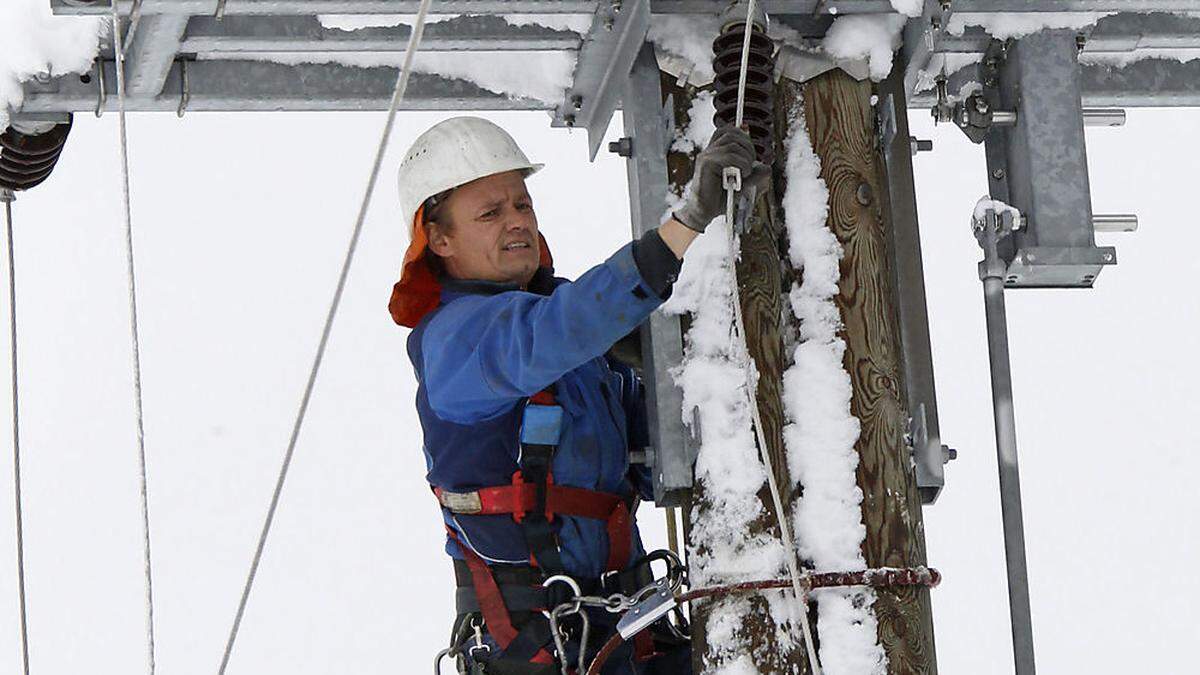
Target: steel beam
1034	6
900	201
263	86
772	7
674	452
151	52
1151	83
249	34
605	60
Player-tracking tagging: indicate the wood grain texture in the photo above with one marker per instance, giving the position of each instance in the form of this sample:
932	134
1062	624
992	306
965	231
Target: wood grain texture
841	123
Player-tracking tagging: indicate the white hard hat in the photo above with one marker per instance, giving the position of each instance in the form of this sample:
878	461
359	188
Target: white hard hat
452	153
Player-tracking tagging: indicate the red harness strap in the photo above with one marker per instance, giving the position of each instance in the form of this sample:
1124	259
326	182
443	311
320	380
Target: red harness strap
519	498
491	602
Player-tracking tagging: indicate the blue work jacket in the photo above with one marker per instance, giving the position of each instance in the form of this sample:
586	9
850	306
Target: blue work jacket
487	348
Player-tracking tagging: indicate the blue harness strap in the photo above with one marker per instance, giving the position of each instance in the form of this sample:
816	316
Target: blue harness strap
541	429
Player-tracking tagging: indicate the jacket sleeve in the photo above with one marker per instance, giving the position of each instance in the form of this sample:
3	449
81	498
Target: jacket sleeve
482	354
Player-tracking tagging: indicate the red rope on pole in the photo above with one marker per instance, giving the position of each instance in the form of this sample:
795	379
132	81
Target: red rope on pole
885	577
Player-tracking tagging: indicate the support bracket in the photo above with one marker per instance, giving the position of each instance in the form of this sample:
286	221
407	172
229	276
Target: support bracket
1039	163
605	59
662	336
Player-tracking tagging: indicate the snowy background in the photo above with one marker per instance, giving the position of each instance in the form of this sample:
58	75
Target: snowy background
240	223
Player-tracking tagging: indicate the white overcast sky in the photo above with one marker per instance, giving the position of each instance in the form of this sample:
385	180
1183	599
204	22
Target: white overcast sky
241	221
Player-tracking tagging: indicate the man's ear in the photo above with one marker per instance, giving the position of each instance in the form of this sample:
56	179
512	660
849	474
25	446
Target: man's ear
441	245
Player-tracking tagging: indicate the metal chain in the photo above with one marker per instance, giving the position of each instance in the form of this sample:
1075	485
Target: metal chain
617	603
7	197
785	533
119	50
414	42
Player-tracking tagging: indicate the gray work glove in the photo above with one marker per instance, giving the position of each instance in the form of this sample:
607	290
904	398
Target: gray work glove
729	146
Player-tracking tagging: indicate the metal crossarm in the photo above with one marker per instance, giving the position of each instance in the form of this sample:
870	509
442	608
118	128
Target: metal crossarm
264	86
237	35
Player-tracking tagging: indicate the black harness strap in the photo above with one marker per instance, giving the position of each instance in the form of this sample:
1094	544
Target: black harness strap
539	534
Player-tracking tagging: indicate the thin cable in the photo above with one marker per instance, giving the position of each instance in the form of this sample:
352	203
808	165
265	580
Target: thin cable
7	197
785	532
414	42
119	50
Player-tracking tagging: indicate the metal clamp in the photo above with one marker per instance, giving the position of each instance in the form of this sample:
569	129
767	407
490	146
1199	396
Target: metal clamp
654	607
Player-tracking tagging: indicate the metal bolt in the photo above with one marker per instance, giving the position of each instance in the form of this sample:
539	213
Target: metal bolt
998	174
981	105
1108	257
577	102
569	120
622	147
864	194
608	23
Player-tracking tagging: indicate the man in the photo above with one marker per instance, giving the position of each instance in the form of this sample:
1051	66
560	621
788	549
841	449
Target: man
527	424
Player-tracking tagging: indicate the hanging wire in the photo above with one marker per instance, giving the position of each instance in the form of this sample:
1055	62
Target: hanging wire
119	50
7	197
414	42
785	530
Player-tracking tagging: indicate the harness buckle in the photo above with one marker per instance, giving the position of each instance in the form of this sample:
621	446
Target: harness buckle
461	502
518	483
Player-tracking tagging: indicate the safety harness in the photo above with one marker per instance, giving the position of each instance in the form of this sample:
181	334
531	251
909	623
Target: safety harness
534	501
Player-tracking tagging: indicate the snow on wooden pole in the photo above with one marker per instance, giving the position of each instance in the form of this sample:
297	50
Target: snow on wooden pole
842	125
732	532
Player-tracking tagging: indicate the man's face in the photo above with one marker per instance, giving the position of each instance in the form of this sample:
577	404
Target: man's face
487	231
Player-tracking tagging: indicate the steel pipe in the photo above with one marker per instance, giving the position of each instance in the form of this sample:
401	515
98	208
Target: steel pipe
991	273
1092	117
1117	222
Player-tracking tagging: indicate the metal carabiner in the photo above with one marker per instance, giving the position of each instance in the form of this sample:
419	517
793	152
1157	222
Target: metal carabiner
479	645
571	583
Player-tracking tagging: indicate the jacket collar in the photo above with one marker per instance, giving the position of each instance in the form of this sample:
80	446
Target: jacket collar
541	284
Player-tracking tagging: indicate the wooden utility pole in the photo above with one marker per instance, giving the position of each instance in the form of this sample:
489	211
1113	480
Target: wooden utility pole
842	123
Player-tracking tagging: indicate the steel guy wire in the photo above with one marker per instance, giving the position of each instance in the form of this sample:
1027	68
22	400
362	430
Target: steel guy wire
785	533
414	42
119	51
7	197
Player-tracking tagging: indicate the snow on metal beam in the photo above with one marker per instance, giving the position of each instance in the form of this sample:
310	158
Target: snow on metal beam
151	52
778	7
1119	33
312	7
239	34
264	86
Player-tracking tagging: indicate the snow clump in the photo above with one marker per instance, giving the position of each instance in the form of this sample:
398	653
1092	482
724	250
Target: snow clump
34	42
874	37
